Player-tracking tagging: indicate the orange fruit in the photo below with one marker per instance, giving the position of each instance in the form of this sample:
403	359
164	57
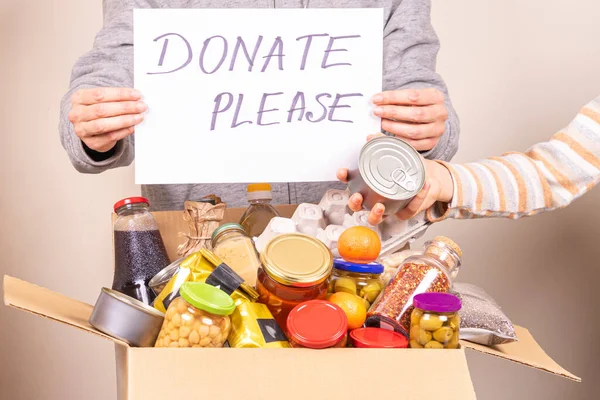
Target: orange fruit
353	307
359	244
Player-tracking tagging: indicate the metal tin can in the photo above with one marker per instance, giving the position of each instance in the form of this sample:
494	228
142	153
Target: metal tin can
160	280
390	172
126	318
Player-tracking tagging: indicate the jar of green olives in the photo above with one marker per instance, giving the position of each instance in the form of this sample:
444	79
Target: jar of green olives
434	322
363	280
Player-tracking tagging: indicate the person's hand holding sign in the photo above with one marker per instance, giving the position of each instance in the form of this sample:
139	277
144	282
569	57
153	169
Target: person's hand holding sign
103	116
417	116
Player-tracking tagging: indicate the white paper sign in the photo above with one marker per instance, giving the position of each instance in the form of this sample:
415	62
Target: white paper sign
254	95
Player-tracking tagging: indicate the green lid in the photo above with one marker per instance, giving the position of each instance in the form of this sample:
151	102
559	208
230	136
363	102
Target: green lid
224	228
207	298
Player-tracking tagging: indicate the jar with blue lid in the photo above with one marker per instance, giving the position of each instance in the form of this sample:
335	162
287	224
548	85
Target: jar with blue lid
363	280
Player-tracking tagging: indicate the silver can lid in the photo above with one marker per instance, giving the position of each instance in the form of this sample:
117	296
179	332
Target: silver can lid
392	168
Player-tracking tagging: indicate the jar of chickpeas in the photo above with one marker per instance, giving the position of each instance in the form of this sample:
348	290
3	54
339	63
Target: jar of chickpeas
198	318
434	322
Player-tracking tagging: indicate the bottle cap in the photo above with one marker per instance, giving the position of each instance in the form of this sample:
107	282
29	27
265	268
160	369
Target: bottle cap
130	200
259	191
226	228
437	302
371	268
208	298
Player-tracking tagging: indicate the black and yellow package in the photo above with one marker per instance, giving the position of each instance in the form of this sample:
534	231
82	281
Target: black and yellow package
253	326
204	266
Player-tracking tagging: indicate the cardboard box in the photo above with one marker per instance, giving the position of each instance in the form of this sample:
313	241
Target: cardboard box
290	374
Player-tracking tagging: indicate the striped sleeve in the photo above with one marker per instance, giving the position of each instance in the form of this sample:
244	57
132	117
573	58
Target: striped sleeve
548	176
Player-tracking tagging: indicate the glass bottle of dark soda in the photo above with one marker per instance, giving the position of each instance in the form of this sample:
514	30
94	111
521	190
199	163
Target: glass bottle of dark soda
139	249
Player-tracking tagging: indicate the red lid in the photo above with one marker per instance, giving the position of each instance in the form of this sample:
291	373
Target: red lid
377	338
317	324
130	200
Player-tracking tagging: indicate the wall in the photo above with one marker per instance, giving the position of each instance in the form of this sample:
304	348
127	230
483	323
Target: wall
518	71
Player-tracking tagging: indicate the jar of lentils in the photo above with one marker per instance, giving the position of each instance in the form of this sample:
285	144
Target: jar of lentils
431	271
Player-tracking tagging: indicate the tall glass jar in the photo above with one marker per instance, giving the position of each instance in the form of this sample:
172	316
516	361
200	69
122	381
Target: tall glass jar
139	249
295	269
432	271
232	245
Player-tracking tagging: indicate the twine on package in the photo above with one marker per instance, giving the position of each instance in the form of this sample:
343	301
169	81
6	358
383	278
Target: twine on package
202	218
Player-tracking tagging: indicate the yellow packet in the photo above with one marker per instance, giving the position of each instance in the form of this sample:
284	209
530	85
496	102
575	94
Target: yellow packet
194	268
253	326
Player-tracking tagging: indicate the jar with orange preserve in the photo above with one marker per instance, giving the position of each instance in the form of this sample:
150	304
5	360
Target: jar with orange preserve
295	268
432	271
318	324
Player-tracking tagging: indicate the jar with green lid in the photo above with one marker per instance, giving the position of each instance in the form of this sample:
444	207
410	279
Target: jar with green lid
232	245
198	318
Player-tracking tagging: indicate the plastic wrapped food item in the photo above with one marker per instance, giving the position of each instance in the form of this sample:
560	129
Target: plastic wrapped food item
202	217
432	271
335	205
199	318
481	318
309	219
434	322
318	324
277	226
231	243
295	268
363	280
253	326
204	266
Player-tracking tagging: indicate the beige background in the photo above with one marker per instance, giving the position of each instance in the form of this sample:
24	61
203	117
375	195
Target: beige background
517	70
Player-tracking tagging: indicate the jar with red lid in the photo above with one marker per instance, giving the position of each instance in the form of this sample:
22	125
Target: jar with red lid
139	249
377	338
295	268
318	324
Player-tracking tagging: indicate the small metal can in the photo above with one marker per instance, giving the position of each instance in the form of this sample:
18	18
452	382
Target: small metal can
126	318
390	172
160	280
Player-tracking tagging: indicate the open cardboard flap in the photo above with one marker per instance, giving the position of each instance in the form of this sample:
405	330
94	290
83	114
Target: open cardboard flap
37	300
526	351
46	303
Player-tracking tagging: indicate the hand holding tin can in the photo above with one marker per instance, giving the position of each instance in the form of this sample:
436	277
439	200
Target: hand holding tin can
437	187
389	172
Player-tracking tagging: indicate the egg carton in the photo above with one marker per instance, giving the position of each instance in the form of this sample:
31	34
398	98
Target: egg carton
327	220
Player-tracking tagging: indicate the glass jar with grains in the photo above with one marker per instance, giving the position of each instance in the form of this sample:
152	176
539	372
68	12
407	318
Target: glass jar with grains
232	245
199	318
432	271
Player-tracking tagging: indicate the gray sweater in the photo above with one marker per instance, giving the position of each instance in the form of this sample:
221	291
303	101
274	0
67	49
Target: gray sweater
409	61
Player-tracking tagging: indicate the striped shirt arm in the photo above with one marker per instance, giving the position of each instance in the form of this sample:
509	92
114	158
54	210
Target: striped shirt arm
550	175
